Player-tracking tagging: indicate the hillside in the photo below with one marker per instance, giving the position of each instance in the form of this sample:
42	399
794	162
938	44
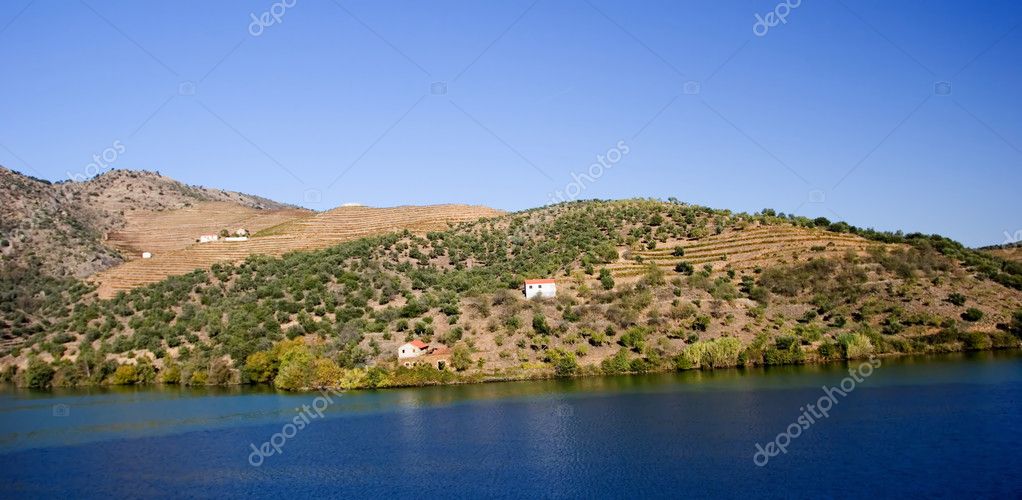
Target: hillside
643	285
171	236
60	229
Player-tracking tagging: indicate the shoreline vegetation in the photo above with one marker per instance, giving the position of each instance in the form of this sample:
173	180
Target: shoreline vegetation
643	286
295	370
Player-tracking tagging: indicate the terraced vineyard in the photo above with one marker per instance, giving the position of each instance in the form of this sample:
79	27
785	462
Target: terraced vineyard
742	249
307	231
165	231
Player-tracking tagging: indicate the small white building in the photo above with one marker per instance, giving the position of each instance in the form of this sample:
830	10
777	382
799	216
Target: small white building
236	238
412	349
147	255
540	288
208	238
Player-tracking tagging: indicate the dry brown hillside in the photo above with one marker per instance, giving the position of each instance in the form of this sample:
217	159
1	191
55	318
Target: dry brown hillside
175	252
60	229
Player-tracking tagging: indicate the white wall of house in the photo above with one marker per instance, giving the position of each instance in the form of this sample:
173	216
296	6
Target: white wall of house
206	238
147	255
408	351
540	289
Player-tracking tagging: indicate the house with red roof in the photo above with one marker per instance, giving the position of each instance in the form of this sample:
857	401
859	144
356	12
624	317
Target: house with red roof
540	288
412	349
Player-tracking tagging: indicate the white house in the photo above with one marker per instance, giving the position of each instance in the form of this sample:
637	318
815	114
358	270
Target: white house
412	349
207	238
236	238
147	255
541	288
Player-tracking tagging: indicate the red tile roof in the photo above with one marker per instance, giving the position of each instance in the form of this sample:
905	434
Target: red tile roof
540	282
419	344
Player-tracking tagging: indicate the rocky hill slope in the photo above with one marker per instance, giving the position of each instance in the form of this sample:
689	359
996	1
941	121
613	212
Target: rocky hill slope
61	229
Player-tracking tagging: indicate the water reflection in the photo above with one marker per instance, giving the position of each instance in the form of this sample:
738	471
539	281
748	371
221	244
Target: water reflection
31	418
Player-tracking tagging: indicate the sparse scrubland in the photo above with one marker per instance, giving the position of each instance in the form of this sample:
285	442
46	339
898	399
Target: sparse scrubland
643	285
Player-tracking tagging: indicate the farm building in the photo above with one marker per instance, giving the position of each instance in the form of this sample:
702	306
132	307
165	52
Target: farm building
438	357
207	238
540	288
147	255
412	349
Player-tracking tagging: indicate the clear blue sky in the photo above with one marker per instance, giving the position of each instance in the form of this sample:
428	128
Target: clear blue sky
834	112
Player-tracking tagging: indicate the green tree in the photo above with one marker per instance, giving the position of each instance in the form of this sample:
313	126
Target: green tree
684	268
38	373
461	357
565	363
295	368
125	375
606	280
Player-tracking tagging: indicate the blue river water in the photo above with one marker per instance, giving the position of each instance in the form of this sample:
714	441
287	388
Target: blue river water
947	426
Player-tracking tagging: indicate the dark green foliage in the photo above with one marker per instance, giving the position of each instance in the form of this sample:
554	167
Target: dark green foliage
606	280
38	373
972	315
540	325
956	299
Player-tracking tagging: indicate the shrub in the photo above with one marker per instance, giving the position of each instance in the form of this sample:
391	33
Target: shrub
634	338
956	299
972	315
855	345
540	325
606	280
684	268
564	362
618	363
461	358
125	375
717	353
38	374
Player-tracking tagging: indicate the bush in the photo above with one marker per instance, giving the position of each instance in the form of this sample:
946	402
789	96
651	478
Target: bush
540	325
38	374
684	268
972	315
956	299
606	280
461	358
564	362
717	353
855	345
125	375
634	338
618	363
